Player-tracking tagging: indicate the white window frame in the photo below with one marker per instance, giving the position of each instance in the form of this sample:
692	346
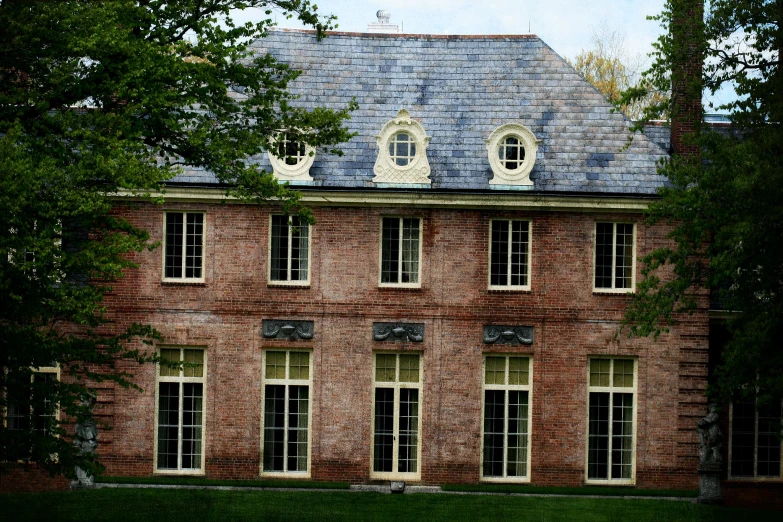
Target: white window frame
521	175
611	389
417	284
396	386
287	382
184	279
300	172
181	380
509	286
507	388
288	281
755	477
613	289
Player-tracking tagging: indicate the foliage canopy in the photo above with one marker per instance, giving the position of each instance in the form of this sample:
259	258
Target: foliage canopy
98	97
726	205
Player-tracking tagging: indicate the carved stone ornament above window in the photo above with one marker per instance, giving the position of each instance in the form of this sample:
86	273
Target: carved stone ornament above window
293	160
402	154
508	334
399	332
511	149
289	330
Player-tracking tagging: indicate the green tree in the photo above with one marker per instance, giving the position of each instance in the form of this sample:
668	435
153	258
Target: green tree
610	69
725	203
98	97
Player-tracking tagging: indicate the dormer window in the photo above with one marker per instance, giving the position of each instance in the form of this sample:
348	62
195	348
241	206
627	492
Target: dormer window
293	158
402	152
512	150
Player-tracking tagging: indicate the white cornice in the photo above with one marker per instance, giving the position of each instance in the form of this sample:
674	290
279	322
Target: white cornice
504	201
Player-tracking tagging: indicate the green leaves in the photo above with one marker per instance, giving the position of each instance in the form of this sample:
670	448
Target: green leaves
102	96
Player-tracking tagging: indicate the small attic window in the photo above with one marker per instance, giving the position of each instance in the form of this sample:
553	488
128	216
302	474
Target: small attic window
511	150
402	149
402	152
293	158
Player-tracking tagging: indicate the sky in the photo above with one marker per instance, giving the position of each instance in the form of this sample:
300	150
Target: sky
566	25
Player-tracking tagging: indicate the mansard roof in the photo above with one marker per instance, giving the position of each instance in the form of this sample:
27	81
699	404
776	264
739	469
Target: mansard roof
460	88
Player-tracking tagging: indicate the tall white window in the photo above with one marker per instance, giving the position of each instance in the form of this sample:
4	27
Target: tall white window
506	427
400	251
611	420
755	450
614	256
29	410
289	252
183	252
180	411
397	416
286	416
509	254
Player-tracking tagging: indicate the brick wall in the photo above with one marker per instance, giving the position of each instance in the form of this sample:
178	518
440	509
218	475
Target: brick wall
224	315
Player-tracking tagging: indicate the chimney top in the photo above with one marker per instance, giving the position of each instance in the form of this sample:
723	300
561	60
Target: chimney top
383	25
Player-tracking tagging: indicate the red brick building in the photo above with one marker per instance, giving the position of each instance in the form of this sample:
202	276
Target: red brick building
452	316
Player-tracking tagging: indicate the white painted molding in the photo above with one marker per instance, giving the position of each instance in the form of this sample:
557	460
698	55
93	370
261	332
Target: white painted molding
418	169
521	175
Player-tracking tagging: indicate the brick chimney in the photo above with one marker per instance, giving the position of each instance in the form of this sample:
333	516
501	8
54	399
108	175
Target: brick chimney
686	115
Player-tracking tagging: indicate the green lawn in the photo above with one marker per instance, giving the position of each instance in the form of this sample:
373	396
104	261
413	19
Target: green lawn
196	505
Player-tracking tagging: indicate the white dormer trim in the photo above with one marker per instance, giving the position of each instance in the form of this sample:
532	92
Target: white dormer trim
417	170
512	176
285	172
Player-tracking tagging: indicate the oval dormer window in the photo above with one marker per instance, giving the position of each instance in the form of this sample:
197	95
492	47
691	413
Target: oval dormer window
293	158
402	149
511	149
402	152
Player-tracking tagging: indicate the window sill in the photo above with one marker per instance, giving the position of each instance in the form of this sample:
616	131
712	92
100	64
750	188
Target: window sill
401	286
293	475
510	289
288	284
619	483
183	282
514	480
613	291
180	473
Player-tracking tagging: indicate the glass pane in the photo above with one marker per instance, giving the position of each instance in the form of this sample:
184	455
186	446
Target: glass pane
168	424
599	372
624	256
516	465
409	431
194	245
604	235
275	365
169	354
192	410
494	428
385	368
274	427
390	251
743	434
298	407
623	373
299	250
598	436
622	435
519	253
499	254
278	257
409	368
44	409
383	431
518	370
768	441
194	357
299	365
174	241
495	370
410	251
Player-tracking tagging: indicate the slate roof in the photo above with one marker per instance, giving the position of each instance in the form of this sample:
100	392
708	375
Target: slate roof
461	88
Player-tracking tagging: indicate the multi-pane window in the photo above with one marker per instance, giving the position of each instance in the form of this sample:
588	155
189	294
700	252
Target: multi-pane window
400	250
184	250
397	414
506	428
291	151
511	152
29	408
509	254
402	149
286	415
610	439
180	415
755	440
614	256
289	252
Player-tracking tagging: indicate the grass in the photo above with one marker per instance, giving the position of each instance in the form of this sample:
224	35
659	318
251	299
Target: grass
167	505
590	490
197	481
